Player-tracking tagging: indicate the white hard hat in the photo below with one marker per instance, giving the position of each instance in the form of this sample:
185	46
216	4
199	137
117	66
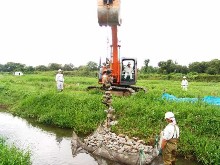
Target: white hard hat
59	70
169	115
184	76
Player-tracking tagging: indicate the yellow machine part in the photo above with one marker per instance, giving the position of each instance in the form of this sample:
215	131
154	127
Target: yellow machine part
109	13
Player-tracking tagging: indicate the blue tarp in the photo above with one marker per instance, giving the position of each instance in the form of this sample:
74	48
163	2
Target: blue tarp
207	99
212	100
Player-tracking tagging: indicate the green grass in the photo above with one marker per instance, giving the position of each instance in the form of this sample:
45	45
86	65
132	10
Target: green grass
10	155
140	115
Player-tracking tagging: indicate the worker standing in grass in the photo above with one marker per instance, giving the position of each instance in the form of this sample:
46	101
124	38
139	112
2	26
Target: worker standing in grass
60	80
184	83
170	140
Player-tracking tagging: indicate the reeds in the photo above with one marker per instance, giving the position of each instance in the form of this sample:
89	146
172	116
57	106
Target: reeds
10	155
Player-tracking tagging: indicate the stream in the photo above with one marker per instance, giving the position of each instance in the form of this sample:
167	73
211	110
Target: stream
50	145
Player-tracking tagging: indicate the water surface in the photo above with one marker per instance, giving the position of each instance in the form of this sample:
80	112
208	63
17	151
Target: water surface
47	147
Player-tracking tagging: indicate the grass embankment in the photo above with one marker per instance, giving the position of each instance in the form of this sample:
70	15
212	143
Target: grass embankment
141	115
10	155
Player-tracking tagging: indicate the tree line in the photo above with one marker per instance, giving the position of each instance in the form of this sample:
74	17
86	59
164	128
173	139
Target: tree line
164	67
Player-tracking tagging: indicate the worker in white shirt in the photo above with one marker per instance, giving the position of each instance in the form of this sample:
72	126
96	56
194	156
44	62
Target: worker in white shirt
184	83
170	140
128	71
60	80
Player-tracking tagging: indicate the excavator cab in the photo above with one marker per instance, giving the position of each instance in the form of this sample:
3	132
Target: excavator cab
127	74
128	71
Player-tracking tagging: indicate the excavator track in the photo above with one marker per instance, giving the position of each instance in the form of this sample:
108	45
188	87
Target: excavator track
137	89
120	91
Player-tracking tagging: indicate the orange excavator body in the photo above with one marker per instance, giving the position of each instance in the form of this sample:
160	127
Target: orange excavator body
123	70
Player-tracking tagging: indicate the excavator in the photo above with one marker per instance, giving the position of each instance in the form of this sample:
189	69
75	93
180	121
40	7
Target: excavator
123	71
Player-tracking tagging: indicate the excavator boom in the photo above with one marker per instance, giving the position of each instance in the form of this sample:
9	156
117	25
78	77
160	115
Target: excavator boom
115	59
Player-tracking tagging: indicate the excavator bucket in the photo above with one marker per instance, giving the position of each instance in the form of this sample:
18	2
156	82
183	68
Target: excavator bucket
109	12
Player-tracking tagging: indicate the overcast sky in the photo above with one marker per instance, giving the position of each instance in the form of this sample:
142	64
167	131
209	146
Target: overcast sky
39	32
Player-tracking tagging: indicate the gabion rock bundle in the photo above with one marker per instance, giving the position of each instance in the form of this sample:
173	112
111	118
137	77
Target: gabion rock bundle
107	100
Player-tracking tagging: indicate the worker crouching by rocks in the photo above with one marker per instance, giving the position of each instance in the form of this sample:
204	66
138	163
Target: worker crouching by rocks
107	79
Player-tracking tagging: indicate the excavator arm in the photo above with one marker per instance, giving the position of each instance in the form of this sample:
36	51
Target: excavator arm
115	59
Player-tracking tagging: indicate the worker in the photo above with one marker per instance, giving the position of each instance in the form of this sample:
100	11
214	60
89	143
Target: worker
170	139
107	79
128	71
184	83
104	68
59	80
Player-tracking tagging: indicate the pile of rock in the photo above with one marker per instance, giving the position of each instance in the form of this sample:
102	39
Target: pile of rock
119	143
119	148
